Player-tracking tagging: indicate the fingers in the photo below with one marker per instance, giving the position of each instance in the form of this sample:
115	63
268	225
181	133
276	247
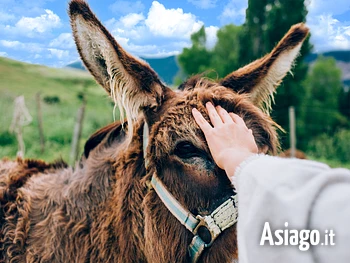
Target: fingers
218	116
213	115
238	120
225	116
202	123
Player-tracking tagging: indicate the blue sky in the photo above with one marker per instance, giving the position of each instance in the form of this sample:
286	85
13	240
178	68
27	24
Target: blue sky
38	31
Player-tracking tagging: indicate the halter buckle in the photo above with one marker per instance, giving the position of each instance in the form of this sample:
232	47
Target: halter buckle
205	233
207	226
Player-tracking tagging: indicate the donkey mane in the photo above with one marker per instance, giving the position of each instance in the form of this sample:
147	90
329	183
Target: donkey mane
111	131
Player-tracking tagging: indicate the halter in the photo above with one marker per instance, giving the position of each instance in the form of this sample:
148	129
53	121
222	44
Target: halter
214	224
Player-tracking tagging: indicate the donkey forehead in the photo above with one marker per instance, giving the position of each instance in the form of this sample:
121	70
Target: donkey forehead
177	117
185	100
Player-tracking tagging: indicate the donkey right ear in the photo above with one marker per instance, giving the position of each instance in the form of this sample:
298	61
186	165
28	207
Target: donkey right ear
129	81
260	78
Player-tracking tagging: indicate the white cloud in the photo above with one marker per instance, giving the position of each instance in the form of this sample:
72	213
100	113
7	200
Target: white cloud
59	53
317	7
234	12
211	36
4	17
64	40
171	22
138	34
40	24
3	54
145	50
328	33
125	7
204	4
130	26
162	54
10	44
131	20
16	45
24	7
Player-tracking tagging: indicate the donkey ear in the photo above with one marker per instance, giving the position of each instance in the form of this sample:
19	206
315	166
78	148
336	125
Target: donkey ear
260	78
129	81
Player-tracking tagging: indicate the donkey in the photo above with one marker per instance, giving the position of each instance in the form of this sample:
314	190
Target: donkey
109	208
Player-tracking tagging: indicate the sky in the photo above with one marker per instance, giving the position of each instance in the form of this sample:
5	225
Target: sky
38	31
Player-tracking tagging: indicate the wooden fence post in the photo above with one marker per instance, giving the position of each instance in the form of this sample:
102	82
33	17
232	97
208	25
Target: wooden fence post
40	122
21	117
78	127
292	133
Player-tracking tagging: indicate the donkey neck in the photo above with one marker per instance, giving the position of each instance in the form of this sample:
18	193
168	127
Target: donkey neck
125	205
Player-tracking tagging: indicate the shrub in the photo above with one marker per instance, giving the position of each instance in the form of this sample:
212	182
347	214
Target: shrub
336	147
342	143
52	99
7	138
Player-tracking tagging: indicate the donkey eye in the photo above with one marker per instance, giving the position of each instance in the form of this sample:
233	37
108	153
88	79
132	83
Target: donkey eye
186	150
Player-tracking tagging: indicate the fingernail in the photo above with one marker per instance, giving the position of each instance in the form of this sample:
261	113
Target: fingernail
209	103
194	110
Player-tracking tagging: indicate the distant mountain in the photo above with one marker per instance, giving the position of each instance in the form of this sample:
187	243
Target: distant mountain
166	68
342	58
340	55
77	65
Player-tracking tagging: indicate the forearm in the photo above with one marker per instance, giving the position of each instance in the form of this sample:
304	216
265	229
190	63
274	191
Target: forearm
277	190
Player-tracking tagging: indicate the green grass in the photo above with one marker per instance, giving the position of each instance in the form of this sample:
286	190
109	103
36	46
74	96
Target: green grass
58	119
332	163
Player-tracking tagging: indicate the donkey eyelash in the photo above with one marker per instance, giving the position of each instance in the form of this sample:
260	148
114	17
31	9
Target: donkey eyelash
187	150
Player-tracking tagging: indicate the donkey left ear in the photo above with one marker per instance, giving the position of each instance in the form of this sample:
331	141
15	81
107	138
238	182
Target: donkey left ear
129	81
260	78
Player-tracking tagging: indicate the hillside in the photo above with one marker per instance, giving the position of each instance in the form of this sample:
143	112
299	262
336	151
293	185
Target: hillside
66	87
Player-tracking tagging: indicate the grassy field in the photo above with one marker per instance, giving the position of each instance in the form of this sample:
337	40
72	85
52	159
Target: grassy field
58	119
331	163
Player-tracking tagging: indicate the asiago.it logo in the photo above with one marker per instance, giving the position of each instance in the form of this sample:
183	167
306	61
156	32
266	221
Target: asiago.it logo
292	237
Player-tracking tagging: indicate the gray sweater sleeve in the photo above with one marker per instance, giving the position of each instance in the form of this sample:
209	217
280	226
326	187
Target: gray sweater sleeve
306	194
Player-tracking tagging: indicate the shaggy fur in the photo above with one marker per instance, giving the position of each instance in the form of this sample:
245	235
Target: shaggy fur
103	210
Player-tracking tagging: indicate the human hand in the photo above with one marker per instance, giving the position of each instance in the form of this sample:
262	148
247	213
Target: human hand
229	140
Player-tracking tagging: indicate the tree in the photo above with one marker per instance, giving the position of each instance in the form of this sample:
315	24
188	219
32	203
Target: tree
225	58
254	29
345	102
266	23
218	62
320	109
197	58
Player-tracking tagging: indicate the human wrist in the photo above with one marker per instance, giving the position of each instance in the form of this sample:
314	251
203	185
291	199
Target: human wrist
233	158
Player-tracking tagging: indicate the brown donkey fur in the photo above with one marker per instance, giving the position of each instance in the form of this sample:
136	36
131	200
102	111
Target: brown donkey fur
103	210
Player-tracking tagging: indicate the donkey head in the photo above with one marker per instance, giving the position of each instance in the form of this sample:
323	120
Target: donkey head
177	152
